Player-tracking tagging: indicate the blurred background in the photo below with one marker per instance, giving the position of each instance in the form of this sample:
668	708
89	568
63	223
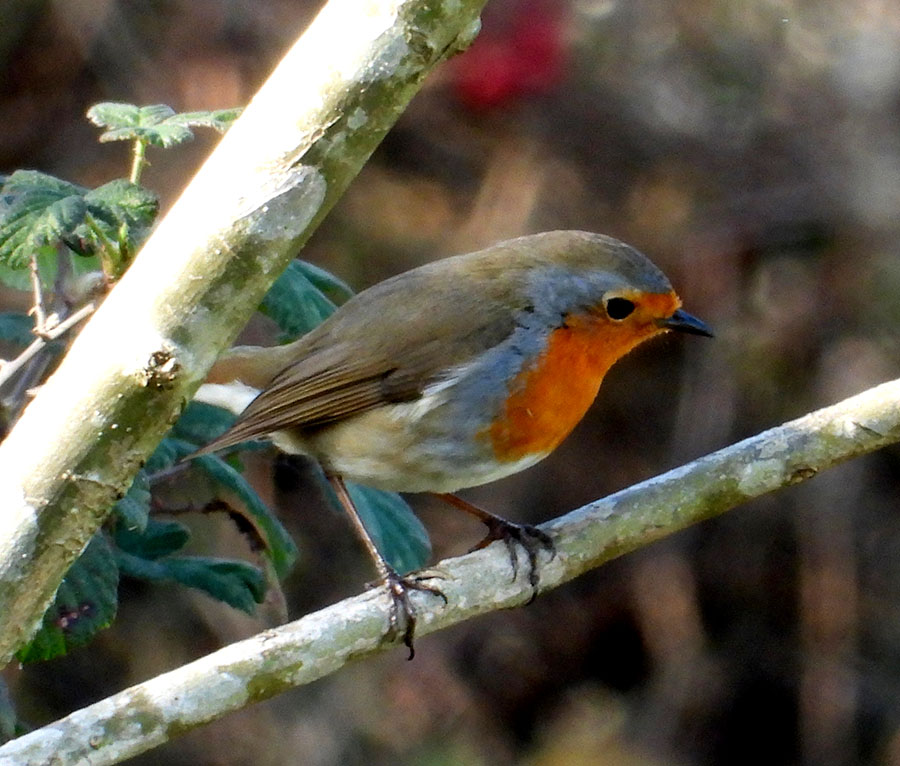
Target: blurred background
752	149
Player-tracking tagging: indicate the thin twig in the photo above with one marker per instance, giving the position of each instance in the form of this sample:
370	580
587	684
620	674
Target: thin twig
37	310
10	368
138	161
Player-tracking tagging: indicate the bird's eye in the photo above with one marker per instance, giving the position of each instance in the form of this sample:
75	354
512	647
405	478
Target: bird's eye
619	308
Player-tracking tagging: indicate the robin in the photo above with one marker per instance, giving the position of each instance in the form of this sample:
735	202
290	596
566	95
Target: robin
452	375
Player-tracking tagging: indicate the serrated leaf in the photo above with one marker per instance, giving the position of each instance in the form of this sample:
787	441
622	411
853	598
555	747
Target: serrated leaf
335	289
16	328
58	219
128	122
295	304
397	532
280	547
165	135
158	539
157	124
36	211
133	510
39	212
121	214
85	602
128	203
219	119
235	582
29	181
112	114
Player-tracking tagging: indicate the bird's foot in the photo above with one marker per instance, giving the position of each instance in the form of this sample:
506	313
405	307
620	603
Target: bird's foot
525	536
402	615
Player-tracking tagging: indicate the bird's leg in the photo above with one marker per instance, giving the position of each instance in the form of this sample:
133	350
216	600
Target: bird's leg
528	537
398	586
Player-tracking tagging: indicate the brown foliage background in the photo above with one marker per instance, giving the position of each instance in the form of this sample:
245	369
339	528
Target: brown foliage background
752	149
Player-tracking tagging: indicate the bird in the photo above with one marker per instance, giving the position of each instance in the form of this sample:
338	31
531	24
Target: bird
452	375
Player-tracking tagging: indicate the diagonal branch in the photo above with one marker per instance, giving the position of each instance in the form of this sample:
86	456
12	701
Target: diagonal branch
149	714
205	269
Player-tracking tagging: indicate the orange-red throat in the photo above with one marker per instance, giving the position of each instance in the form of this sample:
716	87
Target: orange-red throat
550	396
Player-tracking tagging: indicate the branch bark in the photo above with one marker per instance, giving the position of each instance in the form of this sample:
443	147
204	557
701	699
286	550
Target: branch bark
149	714
245	215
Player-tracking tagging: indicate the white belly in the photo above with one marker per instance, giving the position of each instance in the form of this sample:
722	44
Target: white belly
391	449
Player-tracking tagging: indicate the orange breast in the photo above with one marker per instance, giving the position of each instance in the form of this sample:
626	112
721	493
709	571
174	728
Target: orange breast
549	397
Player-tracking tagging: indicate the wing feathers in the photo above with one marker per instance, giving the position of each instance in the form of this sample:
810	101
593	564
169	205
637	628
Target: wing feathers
385	346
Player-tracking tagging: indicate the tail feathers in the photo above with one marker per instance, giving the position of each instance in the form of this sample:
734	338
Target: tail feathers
228	439
215	445
234	397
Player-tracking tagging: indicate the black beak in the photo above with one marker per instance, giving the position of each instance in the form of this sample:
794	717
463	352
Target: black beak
684	322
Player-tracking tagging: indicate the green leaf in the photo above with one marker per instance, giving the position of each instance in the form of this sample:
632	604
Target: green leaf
33	181
235	582
200	423
167	453
134	509
295	303
164	136
219	119
158	539
115	115
39	212
16	328
85	603
158	124
398	534
36	212
121	201
335	289
20	279
58	219
280	547
120	216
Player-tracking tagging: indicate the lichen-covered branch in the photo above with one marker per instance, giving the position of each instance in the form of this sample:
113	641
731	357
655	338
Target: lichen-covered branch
244	216
151	713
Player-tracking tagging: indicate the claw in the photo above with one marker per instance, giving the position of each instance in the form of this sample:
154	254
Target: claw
515	536
402	615
402	612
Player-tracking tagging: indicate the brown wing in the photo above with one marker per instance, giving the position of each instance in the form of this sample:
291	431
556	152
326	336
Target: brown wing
384	346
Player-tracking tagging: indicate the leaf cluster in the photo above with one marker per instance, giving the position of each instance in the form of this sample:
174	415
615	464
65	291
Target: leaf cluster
157	125
47	218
